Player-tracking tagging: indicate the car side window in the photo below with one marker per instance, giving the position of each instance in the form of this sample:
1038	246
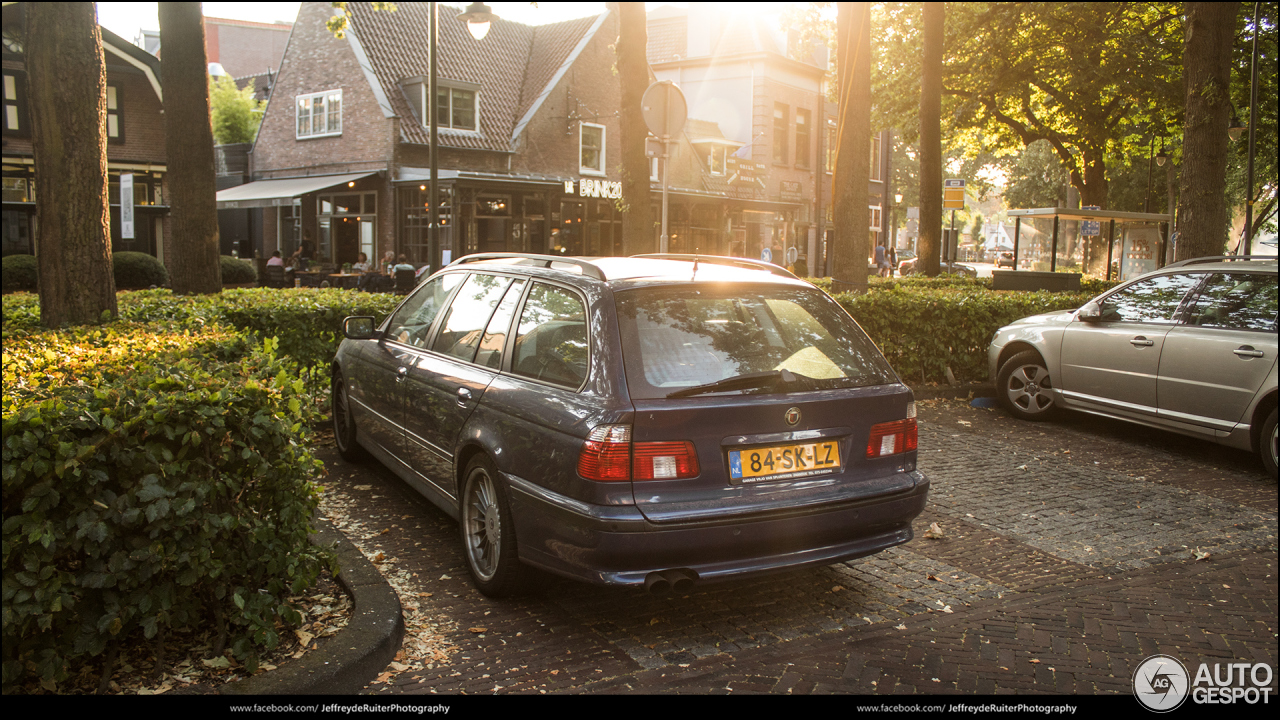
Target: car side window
1154	300
412	321
495	336
1243	301
551	340
469	314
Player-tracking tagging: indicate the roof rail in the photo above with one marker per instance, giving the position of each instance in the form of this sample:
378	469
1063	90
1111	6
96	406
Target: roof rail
1216	258
587	268
738	262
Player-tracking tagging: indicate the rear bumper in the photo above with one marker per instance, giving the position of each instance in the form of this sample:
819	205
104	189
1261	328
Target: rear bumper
617	546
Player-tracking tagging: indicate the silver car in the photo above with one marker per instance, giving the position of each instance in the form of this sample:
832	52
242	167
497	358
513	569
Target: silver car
1189	348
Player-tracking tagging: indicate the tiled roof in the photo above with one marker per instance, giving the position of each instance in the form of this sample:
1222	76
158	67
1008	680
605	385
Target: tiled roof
551	45
667	39
696	130
507	64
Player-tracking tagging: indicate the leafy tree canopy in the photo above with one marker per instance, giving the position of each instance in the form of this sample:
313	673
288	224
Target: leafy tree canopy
236	114
1087	78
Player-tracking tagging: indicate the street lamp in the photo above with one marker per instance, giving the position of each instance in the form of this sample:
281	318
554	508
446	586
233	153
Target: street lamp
1236	129
1247	239
478	16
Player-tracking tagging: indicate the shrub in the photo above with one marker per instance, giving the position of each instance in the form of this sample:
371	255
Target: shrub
21	312
237	272
19	273
306	321
137	271
155	479
924	330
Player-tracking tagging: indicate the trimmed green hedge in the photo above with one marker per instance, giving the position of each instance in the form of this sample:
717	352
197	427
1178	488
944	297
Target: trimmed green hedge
19	273
156	478
923	331
138	271
236	271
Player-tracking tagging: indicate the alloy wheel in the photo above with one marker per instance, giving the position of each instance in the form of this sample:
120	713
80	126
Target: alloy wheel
1028	388
482	522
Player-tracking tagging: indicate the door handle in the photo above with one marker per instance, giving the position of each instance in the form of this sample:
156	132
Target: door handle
464	396
402	373
1248	351
1141	342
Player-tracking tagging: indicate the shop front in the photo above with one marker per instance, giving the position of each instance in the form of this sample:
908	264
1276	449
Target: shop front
482	213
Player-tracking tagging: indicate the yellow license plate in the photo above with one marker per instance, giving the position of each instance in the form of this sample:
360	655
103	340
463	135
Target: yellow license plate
796	460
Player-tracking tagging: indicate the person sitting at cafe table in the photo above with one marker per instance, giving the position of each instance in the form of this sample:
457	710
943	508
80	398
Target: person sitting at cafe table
275	259
373	281
362	264
402	263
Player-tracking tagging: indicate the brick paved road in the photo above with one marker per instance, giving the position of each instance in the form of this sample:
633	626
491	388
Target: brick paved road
1069	557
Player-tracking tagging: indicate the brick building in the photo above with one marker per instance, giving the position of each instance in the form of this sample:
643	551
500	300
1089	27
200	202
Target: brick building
766	95
528	138
135	143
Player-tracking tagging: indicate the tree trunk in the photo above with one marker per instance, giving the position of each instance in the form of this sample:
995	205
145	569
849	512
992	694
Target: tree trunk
852	173
1093	192
1206	59
67	101
930	243
195	267
633	79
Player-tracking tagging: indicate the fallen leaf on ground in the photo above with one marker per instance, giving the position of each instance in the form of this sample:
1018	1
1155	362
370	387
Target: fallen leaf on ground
934	532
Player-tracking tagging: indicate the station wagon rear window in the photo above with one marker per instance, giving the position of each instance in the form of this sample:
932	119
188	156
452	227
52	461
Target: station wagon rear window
675	339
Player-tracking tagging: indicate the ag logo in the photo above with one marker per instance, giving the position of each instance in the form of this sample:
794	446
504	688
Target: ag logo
1161	683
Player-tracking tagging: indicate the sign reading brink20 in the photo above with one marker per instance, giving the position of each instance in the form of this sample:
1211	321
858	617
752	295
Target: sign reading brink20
595	188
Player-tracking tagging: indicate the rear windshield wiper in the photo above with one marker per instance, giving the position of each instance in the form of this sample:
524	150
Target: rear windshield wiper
740	382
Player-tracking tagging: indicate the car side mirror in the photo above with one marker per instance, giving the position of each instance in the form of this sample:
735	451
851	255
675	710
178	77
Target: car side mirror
1091	312
358	327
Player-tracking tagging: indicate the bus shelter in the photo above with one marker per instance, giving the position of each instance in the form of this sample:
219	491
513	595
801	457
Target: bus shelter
1065	239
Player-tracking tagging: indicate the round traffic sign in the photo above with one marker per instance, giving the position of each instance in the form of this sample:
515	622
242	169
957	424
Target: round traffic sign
664	109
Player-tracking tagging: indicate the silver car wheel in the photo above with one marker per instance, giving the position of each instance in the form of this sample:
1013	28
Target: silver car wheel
1271	466
1028	389
482	523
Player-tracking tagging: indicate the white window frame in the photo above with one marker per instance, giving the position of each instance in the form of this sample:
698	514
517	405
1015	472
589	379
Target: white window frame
724	160
309	98
584	169
448	89
877	217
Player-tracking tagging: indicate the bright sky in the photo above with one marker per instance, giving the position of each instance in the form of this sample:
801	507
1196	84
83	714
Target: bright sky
127	18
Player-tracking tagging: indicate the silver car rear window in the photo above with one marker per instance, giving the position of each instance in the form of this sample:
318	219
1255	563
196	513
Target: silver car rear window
682	337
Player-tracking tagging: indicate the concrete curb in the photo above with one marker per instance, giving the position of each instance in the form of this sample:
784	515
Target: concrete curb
357	654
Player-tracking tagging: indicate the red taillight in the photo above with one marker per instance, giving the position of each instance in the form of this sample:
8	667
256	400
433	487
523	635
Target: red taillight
891	438
605	462
608	455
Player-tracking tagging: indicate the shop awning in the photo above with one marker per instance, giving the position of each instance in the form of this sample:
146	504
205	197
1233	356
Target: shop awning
272	193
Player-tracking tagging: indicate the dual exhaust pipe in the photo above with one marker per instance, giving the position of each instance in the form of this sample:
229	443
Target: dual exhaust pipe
663	582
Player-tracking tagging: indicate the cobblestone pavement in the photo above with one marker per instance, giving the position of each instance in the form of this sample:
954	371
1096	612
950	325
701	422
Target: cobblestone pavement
1072	550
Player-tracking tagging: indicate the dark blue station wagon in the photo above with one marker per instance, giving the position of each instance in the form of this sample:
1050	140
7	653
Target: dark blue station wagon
653	421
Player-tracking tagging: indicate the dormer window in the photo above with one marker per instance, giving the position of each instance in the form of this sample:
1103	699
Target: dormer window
457	102
716	155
